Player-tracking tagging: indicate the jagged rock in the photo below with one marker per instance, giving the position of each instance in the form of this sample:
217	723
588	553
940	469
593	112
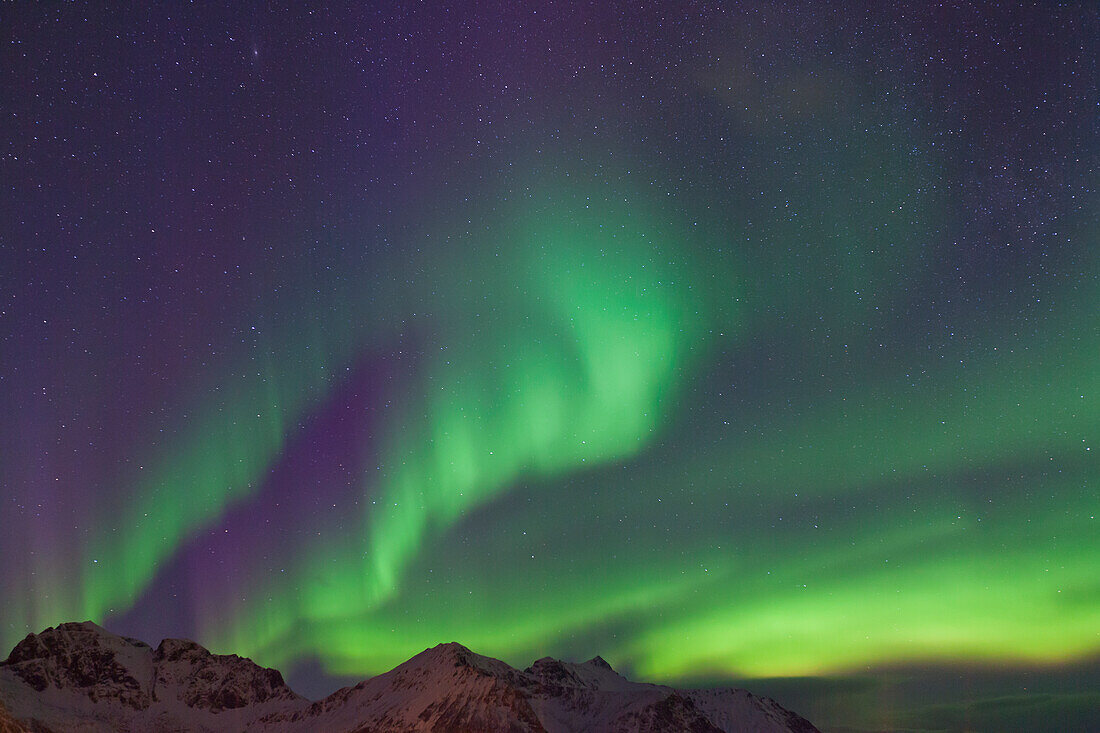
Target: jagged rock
87	658
214	682
82	677
82	672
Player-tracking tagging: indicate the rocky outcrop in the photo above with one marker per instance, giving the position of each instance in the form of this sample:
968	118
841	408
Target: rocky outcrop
82	677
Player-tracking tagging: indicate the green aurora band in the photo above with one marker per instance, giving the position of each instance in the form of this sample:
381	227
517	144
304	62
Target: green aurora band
562	369
579	321
993	535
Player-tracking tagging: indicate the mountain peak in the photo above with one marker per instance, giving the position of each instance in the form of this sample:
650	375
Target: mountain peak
86	658
599	662
449	653
81	676
595	674
82	625
174	649
445	658
53	641
87	661
449	648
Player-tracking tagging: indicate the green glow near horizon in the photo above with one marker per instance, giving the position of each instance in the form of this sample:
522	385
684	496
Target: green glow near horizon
950	588
951	568
725	343
544	485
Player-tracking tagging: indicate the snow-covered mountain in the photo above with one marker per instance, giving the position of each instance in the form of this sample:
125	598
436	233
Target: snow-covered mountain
80	677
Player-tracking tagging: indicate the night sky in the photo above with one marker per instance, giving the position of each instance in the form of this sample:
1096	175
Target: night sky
730	342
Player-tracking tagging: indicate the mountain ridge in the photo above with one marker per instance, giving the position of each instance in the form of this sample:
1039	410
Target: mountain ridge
81	677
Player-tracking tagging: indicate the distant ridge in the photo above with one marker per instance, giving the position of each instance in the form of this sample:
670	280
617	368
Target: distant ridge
79	676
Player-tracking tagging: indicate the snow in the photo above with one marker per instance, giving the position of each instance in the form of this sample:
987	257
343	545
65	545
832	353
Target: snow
182	687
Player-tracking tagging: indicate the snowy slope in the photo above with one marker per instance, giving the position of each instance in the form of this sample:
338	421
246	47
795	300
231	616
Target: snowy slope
8	724
79	677
450	688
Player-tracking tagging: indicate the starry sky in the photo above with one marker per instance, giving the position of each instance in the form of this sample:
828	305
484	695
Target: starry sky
731	342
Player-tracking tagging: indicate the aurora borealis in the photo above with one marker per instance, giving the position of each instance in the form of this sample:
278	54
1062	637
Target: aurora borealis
721	340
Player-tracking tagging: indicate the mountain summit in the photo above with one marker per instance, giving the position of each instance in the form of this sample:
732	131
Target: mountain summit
79	676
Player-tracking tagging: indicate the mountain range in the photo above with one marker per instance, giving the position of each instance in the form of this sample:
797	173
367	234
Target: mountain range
80	678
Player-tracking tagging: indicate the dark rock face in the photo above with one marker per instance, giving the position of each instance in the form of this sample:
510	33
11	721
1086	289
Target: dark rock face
671	714
483	714
103	666
215	682
81	676
129	685
797	723
552	673
79	656
599	663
